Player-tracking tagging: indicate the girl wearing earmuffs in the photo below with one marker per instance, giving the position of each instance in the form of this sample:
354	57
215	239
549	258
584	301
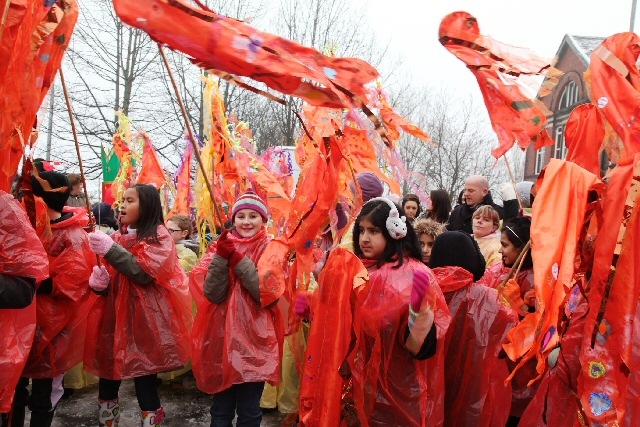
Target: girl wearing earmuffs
400	318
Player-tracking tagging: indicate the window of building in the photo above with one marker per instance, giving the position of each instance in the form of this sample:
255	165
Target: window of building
539	160
569	96
560	149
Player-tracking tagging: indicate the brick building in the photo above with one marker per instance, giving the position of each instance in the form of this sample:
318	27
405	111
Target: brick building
573	56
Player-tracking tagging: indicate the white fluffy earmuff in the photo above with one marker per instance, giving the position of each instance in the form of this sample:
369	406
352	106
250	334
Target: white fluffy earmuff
396	224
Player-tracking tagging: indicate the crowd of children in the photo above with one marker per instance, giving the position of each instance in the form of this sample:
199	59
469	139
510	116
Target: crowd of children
405	330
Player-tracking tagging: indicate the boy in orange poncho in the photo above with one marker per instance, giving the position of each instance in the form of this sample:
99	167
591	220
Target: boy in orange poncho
140	324
23	263
236	340
475	394
62	304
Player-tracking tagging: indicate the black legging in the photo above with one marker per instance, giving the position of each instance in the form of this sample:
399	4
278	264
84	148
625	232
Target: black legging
146	391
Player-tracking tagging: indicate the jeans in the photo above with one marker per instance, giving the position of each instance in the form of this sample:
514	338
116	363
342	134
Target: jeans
243	399
146	391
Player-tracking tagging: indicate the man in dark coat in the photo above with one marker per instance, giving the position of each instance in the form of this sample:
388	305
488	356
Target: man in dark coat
476	193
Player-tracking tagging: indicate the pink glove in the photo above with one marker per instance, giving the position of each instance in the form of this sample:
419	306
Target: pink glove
420	287
301	308
100	243
99	279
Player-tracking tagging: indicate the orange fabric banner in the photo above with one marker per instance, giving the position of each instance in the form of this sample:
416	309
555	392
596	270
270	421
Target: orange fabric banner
151	171
231	46
497	67
33	43
615	85
558	224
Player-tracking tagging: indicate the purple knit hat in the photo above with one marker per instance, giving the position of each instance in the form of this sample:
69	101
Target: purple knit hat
370	184
250	200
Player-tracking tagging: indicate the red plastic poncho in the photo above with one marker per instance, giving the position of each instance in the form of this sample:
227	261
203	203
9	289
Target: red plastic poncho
21	254
61	316
390	386
479	325
521	392
138	330
237	341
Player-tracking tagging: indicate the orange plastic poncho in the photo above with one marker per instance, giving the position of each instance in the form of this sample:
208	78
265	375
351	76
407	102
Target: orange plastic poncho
390	386
21	254
237	341
479	325
137	330
61	316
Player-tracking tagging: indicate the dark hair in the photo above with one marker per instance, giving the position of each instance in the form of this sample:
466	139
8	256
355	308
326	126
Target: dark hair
441	205
377	212
150	212
458	249
412	198
518	231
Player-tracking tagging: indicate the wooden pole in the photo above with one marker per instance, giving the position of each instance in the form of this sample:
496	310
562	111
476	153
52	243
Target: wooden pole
5	14
191	135
92	223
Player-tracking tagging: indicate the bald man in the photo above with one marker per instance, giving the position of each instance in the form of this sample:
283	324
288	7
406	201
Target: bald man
476	193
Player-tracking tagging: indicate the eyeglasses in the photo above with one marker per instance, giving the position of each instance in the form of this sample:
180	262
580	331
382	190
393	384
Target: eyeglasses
171	230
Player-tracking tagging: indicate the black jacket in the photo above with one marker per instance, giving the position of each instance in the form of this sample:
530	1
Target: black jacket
461	216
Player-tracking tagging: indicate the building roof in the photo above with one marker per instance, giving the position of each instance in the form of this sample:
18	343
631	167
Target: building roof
583	45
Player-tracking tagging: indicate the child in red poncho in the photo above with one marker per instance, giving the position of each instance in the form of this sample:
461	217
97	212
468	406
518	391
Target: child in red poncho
23	263
519	294
475	393
139	326
62	303
400	320
235	339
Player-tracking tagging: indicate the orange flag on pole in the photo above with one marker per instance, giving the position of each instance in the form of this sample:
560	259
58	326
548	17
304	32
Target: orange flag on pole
151	172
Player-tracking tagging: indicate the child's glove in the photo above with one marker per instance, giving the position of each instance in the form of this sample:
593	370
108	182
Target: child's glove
227	250
301	307
419	290
507	192
99	242
99	279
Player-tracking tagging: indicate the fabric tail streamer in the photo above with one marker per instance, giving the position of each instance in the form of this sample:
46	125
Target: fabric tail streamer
35	37
499	70
230	46
183	184
151	171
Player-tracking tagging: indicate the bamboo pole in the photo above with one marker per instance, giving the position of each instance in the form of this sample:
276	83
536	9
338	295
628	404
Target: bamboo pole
191	135
5	14
92	223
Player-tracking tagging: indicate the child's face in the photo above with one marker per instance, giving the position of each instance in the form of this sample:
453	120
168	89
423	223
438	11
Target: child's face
371	241
483	226
248	222
130	209
508	250
411	209
176	232
426	243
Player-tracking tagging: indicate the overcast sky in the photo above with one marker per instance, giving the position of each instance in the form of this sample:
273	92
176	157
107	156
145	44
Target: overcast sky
412	27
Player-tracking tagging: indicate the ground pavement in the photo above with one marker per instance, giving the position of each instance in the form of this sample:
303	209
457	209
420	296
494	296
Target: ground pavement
191	408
